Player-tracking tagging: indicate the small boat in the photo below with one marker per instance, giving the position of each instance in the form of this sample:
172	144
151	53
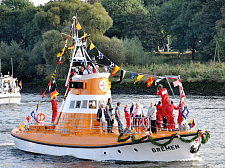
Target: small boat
9	89
77	132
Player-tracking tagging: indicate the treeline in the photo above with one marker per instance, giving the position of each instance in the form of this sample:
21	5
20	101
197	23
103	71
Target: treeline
128	32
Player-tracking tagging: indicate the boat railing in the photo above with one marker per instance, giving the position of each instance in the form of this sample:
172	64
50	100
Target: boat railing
67	126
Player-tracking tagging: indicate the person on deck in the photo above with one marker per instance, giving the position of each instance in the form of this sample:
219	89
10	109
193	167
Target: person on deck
133	106
54	108
152	117
127	115
137	114
170	117
96	70
164	94
118	118
81	70
159	115
110	106
101	116
88	70
108	118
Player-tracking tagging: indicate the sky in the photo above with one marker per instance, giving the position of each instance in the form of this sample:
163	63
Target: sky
38	2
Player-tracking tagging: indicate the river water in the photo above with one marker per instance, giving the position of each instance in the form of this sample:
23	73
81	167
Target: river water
208	113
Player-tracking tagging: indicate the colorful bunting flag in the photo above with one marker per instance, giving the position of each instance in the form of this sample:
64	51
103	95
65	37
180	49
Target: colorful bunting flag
111	65
185	112
54	93
66	41
32	114
139	78
61	52
92	46
100	55
50	83
53	75
28	119
132	75
60	60
191	123
37	106
71	27
84	36
123	72
43	94
159	79
71	47
171	78
78	26
176	83
115	70
150	81
20	85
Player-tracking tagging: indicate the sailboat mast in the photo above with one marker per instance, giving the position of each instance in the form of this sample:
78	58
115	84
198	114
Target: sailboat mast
12	66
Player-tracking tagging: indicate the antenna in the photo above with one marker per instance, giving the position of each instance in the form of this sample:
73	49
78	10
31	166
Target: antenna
12	66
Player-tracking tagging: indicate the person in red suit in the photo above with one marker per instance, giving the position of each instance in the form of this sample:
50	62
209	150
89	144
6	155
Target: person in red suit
164	94
54	108
169	114
159	115
182	105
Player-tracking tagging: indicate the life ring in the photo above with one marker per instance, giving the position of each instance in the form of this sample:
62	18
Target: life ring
22	124
41	119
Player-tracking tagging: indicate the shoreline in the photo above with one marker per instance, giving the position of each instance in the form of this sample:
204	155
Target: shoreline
203	88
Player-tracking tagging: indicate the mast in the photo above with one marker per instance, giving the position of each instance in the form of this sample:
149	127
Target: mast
12	66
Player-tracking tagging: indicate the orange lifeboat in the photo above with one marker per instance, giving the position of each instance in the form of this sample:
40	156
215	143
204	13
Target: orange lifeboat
77	132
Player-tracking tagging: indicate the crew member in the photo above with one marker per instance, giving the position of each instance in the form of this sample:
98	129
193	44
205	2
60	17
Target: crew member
164	95
88	70
170	117
54	108
159	115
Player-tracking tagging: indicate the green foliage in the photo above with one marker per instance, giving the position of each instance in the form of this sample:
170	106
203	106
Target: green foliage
19	57
113	48
53	44
17	4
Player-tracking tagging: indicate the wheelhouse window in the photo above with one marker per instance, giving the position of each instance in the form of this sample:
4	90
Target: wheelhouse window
84	104
78	103
72	103
92	104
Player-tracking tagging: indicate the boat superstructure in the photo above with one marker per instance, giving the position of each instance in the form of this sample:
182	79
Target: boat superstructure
9	90
77	132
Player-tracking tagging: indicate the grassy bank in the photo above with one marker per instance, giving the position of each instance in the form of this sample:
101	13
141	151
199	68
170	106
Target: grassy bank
198	79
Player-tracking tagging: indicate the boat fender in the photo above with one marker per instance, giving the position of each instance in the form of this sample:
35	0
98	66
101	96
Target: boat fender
42	119
22	124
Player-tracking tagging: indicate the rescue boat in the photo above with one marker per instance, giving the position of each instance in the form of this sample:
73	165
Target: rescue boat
77	132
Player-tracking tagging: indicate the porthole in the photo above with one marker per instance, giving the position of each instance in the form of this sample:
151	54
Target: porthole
104	153
119	151
135	149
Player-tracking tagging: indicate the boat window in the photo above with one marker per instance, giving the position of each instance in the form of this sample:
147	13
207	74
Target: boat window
92	104
100	102
84	104
72	103
78	104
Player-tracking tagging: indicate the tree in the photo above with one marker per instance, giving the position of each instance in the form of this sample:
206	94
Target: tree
17	4
141	25
118	10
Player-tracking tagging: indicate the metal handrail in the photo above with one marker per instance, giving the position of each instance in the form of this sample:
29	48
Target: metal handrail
48	126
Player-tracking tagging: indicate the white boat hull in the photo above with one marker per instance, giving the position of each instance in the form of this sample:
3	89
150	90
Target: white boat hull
9	98
146	151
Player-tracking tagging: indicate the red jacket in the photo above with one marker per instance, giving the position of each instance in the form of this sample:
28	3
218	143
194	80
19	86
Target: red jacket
170	108
164	94
159	110
54	105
